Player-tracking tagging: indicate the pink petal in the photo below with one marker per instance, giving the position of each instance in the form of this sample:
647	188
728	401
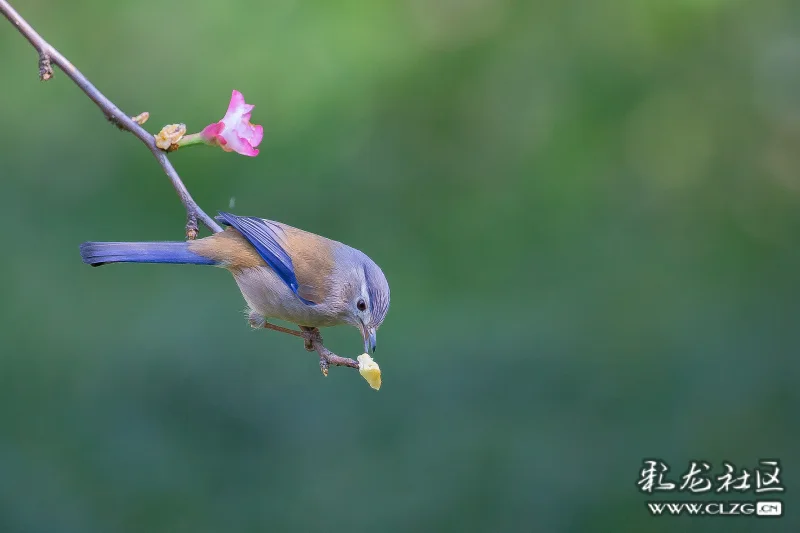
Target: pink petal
212	130
237	100
238	110
239	145
257	135
248	150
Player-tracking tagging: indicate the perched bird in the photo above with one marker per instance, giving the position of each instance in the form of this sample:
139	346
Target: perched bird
283	272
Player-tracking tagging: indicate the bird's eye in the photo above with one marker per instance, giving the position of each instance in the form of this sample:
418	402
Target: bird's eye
362	306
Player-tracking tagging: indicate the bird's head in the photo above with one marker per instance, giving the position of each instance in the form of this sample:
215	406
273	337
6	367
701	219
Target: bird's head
364	297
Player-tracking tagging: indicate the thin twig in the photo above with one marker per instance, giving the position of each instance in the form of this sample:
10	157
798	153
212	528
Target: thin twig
48	55
313	339
326	357
281	329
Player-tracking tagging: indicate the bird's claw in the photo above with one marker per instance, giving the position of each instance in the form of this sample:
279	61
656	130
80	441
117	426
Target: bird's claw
313	341
311	336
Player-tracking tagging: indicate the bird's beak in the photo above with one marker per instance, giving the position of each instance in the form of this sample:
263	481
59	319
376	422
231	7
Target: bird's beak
370	340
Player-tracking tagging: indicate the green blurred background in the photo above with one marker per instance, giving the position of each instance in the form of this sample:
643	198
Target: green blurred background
587	211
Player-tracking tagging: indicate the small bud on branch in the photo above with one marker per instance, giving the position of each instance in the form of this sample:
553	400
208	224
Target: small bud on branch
141	118
169	135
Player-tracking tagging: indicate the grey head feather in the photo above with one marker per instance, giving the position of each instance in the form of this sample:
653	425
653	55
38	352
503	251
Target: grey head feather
378	290
361	273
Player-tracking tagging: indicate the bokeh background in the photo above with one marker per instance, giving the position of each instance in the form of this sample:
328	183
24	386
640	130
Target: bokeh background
588	213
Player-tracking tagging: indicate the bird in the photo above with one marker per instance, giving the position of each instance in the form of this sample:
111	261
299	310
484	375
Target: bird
283	273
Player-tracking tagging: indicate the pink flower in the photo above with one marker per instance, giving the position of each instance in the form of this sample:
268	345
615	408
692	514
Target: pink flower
234	133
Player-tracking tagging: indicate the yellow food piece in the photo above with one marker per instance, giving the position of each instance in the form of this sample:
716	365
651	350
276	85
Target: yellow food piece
369	370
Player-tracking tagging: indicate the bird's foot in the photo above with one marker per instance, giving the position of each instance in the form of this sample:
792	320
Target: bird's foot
310	336
313	342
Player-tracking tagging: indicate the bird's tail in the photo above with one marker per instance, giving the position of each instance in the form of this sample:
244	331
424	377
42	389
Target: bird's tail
100	253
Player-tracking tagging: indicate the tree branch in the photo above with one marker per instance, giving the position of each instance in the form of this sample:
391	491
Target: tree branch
48	54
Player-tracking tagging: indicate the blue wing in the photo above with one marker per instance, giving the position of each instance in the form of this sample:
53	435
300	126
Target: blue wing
266	237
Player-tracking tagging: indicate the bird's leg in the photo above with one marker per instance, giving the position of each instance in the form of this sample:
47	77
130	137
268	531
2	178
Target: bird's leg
313	339
311	335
